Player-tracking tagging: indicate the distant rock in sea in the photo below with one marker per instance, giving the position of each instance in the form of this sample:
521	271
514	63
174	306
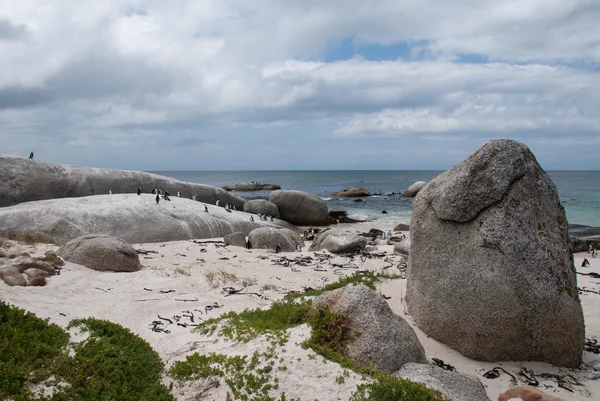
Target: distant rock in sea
132	218
24	180
251	187
352	193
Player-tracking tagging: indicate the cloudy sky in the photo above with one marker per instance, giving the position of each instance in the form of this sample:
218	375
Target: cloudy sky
298	84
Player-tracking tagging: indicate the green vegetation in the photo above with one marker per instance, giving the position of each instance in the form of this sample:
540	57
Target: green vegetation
251	380
30	239
28	348
111	364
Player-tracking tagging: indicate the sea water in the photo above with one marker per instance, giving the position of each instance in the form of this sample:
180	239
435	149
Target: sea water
579	191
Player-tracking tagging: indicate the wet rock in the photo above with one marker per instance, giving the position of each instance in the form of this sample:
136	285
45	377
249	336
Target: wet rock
352	193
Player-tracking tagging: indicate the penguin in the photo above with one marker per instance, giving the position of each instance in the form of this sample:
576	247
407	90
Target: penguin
31	155
271	218
389	233
217	203
278	248
194	197
228	210
157	198
178	194
248	245
227	206
110	191
206	208
251	218
139	191
298	248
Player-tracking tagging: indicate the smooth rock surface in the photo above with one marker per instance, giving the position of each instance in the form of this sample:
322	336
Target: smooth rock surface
352	193
403	247
490	271
12	276
251	187
24	262
269	237
301	208
235	239
402	227
413	190
135	219
338	241
262	206
24	180
385	340
101	252
457	386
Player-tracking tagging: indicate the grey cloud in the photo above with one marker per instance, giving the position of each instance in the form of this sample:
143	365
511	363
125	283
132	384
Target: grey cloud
11	31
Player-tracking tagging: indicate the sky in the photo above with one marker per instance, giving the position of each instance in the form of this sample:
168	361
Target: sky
298	84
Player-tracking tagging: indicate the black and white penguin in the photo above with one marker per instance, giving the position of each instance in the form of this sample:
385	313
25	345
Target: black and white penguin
157	198
251	218
278	248
31	155
139	191
110	191
217	203
271	218
206	208
178	194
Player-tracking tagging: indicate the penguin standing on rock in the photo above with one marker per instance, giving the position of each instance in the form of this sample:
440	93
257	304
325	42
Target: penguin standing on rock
217	203
251	218
206	208
178	194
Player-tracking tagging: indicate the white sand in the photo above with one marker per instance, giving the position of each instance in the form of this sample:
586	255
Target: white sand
182	266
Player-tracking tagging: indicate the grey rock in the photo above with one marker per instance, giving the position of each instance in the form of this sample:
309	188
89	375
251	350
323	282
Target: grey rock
269	237
235	239
490	272
24	180
402	227
385	340
135	219
12	276
403	247
35	277
457	386
251	187
2	254
594	365
338	241
413	190
101	252
301	208
352	193
262	206
583	236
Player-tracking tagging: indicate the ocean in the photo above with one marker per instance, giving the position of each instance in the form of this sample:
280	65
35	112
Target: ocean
579	191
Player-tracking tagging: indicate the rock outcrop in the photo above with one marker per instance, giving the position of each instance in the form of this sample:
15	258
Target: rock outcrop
338	241
352	193
584	236
235	239
133	218
35	277
403	247
262	206
24	180
402	227
490	271
457	386
341	216
413	190
251	187
385	340
101	252
301	208
269	238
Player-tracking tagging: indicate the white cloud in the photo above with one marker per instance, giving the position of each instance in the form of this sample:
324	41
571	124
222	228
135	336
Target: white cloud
106	73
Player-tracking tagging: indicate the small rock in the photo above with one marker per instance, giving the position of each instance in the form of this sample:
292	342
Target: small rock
36	277
413	190
384	212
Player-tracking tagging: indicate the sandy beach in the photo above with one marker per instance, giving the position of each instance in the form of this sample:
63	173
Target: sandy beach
189	276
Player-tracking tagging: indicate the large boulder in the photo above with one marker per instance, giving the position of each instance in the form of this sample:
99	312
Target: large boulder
413	190
35	277
135	219
101	252
584	236
352	193
338	241
457	386
24	180
262	206
251	187
269	238
384	340
235	239
301	208
490	271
